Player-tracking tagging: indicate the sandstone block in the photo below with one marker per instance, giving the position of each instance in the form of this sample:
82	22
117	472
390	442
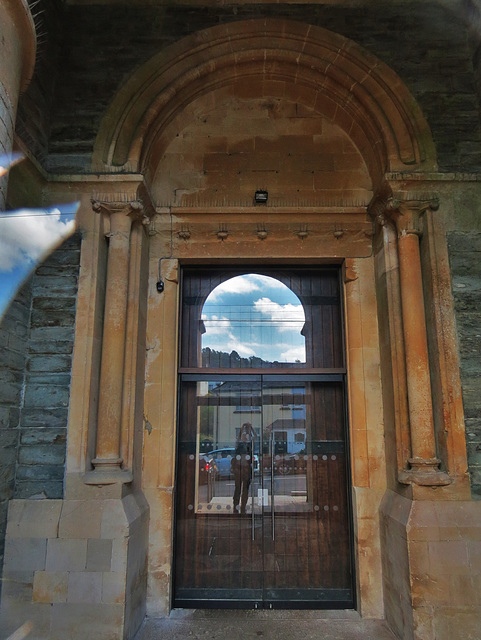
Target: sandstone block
80	519
84	587
66	555
24	554
50	586
99	555
33	519
100	621
113	587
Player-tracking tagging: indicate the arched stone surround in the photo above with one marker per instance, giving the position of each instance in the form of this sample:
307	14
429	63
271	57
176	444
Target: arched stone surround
334	78
321	70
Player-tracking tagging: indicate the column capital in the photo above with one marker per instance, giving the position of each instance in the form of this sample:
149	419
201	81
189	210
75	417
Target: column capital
403	213
134	209
407	213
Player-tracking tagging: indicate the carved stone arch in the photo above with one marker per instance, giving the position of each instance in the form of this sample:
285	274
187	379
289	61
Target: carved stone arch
319	69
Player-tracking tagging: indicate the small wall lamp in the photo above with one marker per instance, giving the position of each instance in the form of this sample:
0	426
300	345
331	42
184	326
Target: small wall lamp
260	196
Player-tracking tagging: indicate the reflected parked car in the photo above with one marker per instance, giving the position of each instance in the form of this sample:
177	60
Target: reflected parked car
223	458
207	468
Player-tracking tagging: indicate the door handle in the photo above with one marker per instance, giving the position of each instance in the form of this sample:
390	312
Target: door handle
252	494
273	525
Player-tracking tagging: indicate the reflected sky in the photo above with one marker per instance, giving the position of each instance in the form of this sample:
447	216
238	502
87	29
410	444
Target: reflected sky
255	315
26	237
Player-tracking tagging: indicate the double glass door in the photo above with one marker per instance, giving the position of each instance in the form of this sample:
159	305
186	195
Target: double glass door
262	510
262	515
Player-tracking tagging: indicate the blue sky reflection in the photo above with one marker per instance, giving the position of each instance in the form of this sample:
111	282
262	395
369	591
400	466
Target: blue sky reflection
255	315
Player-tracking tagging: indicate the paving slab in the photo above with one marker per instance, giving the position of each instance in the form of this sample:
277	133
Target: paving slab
185	624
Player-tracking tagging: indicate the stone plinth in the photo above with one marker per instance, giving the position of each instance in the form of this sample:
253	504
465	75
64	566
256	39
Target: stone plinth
75	564
431	553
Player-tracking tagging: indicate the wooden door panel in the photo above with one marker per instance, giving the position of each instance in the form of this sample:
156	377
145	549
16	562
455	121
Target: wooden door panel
292	547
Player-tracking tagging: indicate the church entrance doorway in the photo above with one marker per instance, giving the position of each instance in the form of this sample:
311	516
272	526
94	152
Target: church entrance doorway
262	509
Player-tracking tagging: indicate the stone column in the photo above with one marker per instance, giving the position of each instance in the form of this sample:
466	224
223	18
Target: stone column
107	451
424	465
17	60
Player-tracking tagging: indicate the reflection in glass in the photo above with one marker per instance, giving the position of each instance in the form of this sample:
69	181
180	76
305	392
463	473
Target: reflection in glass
253	441
251	321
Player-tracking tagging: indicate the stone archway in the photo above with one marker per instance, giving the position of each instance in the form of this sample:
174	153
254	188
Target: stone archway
279	58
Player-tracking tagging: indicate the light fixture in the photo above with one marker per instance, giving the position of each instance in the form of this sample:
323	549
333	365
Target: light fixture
260	196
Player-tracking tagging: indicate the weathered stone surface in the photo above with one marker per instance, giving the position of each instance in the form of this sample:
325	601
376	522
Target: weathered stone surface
39	489
465	260
40	417
443	85
49	363
50	346
50	586
41	454
55	286
99	555
41	471
48	334
46	396
66	555
52	317
43	435
57	379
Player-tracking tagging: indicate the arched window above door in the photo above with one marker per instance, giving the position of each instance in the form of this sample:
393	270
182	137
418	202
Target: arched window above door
253	320
273	318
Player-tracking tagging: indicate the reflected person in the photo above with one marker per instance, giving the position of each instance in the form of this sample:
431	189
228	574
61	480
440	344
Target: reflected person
241	465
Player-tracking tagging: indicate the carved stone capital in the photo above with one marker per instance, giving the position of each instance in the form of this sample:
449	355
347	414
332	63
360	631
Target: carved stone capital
134	209
404	214
382	207
410	213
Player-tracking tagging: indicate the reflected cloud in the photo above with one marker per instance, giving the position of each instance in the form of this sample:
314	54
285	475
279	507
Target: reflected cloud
289	317
244	284
26	235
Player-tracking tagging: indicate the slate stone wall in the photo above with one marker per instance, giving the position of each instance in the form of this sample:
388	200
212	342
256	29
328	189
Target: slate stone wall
13	348
424	42
44	412
36	344
465	257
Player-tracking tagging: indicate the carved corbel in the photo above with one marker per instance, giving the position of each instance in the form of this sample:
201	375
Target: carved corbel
383	206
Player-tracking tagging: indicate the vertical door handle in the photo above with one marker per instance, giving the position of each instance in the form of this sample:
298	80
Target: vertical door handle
273	532
252	492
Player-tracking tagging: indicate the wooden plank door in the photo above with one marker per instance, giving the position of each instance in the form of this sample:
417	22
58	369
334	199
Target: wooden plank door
262	508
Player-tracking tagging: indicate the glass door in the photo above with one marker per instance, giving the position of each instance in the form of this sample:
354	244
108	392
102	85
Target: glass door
262	511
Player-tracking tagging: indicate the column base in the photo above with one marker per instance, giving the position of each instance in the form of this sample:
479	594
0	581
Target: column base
107	471
424	472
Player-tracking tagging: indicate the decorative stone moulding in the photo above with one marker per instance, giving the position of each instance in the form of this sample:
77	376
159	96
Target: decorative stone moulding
405	218
108	462
314	67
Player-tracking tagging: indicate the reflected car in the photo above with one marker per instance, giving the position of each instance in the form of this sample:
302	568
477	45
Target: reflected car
223	458
207	468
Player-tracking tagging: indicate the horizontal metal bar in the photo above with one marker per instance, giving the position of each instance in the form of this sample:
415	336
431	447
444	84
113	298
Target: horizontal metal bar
270	377
285	371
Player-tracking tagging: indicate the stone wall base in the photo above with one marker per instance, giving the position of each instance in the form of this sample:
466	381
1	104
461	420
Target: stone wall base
431	556
75	568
